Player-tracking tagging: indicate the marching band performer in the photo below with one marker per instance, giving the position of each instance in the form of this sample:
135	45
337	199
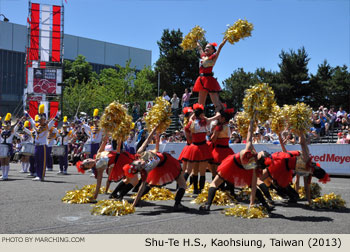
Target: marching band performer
26	137
42	130
95	134
198	154
51	141
6	138
206	83
66	135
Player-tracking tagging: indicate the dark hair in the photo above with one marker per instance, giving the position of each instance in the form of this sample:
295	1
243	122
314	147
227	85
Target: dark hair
318	172
198	112
213	47
261	160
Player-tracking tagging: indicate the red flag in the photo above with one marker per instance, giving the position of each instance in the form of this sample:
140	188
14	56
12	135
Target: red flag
28	20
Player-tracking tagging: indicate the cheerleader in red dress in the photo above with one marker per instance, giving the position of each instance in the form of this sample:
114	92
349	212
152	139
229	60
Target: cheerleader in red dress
220	139
281	167
240	169
157	169
104	160
116	173
187	112
206	83
198	154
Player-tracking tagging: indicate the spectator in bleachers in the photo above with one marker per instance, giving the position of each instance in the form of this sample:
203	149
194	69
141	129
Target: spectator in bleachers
186	98
165	96
324	124
345	122
340	115
175	104
332	117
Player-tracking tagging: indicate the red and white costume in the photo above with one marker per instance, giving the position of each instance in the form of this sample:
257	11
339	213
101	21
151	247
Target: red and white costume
206	81
198	151
117	172
221	148
232	170
160	169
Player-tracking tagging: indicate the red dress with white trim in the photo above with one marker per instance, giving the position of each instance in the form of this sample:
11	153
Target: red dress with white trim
187	129
161	168
199	150
232	170
117	172
221	148
206	81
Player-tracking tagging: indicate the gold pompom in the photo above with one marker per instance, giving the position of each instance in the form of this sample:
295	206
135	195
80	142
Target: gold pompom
112	208
259	100
315	191
36	118
8	117
244	194
243	120
116	121
239	30
157	193
298	117
278	120
330	201
82	196
41	109
190	40
245	212
159	115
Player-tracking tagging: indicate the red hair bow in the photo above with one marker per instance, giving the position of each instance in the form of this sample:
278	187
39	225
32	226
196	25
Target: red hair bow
78	165
187	110
325	179
213	44
198	106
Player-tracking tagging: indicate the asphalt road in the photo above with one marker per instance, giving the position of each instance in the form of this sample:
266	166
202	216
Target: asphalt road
32	207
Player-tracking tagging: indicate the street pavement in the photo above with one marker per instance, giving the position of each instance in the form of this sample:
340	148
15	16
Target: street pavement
34	207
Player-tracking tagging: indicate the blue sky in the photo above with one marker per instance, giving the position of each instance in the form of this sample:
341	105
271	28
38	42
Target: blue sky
321	26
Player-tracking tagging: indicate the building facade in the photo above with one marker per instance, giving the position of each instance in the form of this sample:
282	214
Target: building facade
100	54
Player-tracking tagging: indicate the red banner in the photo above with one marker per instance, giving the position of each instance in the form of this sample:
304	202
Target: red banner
56	34
33	108
53	108
34	32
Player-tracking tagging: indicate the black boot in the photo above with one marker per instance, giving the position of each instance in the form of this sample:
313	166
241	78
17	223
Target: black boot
292	194
119	187
231	188
266	192
211	196
262	200
124	191
195	184
178	206
186	175
136	188
201	183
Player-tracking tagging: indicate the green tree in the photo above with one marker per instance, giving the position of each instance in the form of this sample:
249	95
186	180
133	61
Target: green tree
339	91
294	74
234	87
178	68
78	71
320	86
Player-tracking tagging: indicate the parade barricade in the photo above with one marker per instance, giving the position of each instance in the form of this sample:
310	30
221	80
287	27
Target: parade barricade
334	158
